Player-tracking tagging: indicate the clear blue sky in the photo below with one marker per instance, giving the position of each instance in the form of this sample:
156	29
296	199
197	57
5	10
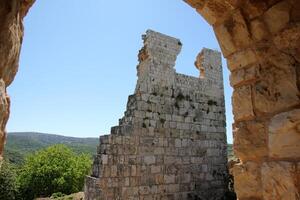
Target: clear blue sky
78	61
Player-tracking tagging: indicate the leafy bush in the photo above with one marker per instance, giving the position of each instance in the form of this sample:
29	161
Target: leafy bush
51	170
56	195
8	186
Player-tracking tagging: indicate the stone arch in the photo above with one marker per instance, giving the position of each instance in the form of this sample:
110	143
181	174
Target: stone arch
261	42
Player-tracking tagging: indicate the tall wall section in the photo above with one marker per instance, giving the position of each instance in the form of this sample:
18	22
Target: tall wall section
171	142
261	41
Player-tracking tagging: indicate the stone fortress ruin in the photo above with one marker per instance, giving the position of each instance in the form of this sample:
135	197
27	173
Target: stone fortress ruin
261	42
171	142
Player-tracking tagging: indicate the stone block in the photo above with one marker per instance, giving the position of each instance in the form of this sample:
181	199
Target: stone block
126	182
233	33
159	151
168	179
129	191
155	169
134	181
213	11
143	190
242	103
113	171
253	9
104	159
243	76
225	40
277	89
147	179
133	170
185	178
280	180
288	41
239	29
148	160
247	180
106	171
159	179
278	16
278	58
259	30
241	59
104	139
284	135
172	188
177	143
250	140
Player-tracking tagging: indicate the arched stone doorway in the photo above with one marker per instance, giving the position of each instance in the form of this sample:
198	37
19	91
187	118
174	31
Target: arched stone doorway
261	41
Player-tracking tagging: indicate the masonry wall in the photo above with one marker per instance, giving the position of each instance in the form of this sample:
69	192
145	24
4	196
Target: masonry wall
261	42
171	142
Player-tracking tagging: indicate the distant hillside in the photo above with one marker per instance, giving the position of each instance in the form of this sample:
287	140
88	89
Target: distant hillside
19	144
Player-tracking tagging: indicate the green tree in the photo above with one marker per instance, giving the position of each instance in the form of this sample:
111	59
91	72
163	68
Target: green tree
8	186
54	169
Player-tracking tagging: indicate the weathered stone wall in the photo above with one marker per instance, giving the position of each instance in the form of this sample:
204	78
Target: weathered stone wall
12	13
261	41
171	143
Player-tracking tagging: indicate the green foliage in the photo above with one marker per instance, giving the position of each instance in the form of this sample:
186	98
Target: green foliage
8	186
54	169
56	195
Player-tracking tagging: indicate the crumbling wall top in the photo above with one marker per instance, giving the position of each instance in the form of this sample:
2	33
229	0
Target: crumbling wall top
209	62
160	47
156	66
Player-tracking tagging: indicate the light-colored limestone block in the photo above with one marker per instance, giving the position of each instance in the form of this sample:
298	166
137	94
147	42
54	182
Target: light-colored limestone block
284	135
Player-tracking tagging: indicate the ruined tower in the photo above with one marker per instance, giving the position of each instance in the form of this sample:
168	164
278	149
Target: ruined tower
171	142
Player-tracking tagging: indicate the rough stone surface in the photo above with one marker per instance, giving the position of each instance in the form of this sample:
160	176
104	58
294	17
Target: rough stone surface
261	41
250	140
242	101
276	88
248	175
280	180
171	143
12	13
278	16
284	135
240	26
